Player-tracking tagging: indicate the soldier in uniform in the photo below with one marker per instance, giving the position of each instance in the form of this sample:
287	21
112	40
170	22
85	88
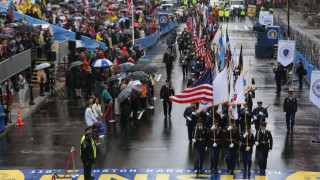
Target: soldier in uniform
191	119
231	144
200	145
264	142
168	59
247	142
215	143
244	117
259	114
249	98
165	92
290	109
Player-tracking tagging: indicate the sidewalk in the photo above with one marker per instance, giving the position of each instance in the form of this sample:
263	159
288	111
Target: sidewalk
38	100
299	23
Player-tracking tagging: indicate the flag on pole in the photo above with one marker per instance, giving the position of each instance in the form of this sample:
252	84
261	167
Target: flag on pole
238	92
217	36
203	105
227	42
201	90
208	59
189	24
220	89
201	45
129	4
240	65
221	54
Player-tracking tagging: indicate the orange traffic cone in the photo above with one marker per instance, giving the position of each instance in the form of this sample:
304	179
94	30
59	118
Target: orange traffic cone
20	123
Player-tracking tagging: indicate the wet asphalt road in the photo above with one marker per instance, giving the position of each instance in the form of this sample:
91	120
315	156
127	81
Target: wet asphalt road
45	140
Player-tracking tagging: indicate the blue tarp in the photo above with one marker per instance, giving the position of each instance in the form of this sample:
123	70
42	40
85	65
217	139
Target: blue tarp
151	40
60	34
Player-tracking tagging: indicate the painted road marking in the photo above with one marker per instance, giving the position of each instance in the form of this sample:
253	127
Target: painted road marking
246	27
159	77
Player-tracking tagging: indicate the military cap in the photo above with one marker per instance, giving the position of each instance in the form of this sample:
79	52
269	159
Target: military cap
264	124
259	102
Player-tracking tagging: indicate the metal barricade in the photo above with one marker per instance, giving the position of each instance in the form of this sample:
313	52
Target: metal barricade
14	65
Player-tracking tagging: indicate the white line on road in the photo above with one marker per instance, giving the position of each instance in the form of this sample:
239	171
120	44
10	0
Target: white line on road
246	27
159	77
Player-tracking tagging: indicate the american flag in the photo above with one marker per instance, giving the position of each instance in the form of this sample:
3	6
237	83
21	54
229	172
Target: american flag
195	40
189	24
201	90
208	59
200	46
129	4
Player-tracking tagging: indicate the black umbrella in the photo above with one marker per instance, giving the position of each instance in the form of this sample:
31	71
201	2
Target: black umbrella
139	75
137	67
149	69
112	78
27	28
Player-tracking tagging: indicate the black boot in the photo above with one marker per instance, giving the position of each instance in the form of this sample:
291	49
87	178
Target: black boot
292	127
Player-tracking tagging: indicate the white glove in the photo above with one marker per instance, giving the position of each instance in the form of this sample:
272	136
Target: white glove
255	117
194	113
206	149
284	113
261	113
161	100
256	143
207	113
247	112
194	140
247	148
213	127
222	115
270	150
231	145
230	128
214	145
250	93
188	118
245	135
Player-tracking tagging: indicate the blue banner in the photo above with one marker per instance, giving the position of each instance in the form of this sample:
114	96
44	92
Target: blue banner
273	35
156	174
163	20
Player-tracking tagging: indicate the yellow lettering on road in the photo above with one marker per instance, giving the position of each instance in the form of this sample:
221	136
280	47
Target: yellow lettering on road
304	175
141	177
11	174
163	177
112	177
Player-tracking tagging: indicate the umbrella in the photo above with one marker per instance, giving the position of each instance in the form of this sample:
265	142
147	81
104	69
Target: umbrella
136	67
76	63
5	35
93	3
112	78
125	9
178	12
110	7
149	18
135	85
55	6
123	19
138	75
125	66
5	29
91	22
42	66
127	31
27	28
149	69
139	12
13	25
144	61
101	63
79	44
124	94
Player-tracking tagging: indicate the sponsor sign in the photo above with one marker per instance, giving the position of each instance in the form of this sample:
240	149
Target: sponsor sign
286	52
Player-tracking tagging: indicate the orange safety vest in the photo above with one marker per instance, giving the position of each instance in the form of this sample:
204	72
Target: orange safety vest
144	91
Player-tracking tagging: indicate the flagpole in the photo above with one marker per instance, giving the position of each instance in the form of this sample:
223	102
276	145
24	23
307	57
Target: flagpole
214	130
230	108
132	23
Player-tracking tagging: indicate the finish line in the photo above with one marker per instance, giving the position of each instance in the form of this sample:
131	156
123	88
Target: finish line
158	174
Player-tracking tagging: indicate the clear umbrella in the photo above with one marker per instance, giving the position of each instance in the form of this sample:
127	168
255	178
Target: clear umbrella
42	66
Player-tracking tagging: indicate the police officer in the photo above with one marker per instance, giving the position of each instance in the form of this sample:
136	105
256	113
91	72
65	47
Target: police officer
264	142
247	142
259	114
168	59
243	15
290	109
215	143
221	14
226	15
87	153
200	145
165	92
231	144
191	119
